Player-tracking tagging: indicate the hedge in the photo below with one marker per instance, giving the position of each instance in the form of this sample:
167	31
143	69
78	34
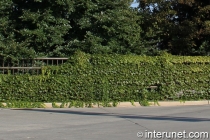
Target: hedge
113	78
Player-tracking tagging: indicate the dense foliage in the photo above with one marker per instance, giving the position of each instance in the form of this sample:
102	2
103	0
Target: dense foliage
112	78
182	27
31	28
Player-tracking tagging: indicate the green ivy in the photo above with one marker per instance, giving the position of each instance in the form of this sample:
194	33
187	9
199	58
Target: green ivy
22	104
87	79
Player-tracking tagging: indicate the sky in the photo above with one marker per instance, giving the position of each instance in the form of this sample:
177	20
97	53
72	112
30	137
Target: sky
134	4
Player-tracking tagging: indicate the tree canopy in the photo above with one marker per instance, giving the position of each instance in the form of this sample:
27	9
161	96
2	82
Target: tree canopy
56	28
181	26
30	28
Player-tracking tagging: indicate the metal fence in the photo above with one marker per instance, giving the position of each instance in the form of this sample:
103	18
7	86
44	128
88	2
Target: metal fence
32	66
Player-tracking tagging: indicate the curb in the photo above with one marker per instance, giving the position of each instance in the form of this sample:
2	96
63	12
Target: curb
127	104
178	103
136	104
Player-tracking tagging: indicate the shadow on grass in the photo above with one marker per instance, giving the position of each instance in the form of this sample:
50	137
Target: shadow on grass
126	116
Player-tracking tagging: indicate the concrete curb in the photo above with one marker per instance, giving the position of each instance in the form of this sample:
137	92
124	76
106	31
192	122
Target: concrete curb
129	104
178	103
136	104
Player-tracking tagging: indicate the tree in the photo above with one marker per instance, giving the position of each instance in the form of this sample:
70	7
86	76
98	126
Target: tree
42	24
10	49
182	25
105	27
31	28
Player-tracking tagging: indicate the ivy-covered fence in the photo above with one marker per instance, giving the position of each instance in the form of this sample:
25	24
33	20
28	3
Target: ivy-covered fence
113	78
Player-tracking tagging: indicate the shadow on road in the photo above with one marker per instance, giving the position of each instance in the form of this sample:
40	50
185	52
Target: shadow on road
128	116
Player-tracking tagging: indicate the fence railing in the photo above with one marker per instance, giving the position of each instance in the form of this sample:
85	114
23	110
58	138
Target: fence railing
32	66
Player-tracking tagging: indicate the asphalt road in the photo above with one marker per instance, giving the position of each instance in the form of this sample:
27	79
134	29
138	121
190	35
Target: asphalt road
105	123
